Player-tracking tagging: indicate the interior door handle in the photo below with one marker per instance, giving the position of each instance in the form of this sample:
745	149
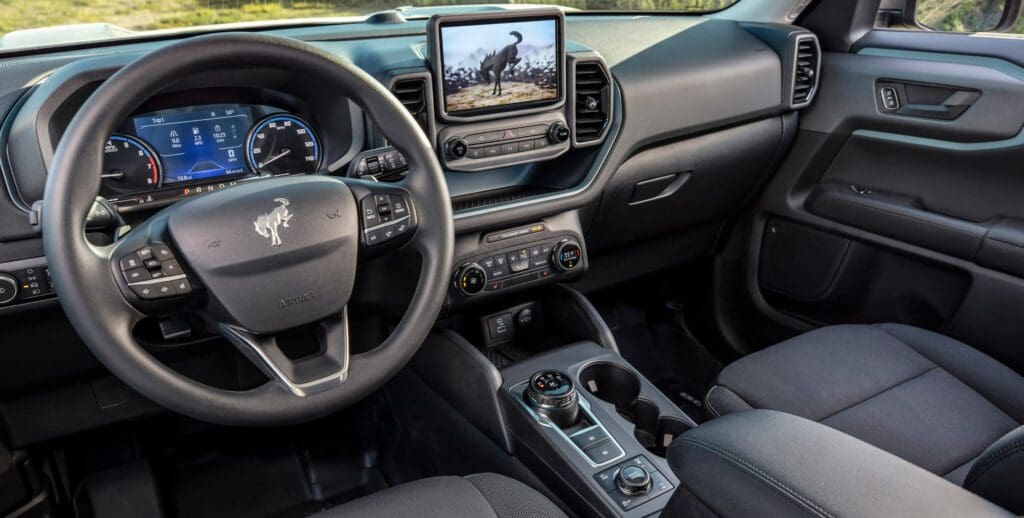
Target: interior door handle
939	102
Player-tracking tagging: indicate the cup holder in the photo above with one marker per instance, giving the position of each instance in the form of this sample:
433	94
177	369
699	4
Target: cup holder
656	434
621	387
612	383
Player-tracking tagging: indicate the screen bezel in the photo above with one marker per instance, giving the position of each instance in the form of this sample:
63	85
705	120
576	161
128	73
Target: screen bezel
434	44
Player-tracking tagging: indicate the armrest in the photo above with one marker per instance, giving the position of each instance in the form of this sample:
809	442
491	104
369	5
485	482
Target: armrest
766	463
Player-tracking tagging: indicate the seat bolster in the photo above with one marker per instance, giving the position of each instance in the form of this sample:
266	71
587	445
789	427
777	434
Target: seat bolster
987	376
998	474
767	463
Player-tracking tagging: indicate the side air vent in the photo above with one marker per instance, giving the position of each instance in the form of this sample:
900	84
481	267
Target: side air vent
412	93
592	102
805	70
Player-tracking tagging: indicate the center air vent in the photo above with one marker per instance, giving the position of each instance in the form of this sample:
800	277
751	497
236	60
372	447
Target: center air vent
592	102
412	93
805	71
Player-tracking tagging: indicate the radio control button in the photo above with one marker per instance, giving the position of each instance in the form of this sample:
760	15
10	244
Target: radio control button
482	138
476	152
526	145
510	148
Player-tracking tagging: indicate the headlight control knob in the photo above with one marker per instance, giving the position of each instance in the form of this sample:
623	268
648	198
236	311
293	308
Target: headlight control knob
8	288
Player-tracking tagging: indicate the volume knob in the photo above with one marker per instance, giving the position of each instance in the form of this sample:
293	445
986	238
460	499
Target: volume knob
456	147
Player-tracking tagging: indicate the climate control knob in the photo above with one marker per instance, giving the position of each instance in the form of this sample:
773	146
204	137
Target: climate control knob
567	255
470	279
558	133
8	288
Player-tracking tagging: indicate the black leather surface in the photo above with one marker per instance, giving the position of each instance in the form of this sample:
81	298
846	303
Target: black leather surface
478	496
924	397
998	474
767	463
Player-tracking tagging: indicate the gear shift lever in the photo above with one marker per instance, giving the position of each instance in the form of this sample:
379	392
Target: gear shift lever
552	394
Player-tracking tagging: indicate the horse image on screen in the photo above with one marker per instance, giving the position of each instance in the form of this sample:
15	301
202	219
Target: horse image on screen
499	64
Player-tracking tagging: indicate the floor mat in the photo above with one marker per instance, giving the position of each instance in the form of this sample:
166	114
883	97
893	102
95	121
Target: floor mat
664	352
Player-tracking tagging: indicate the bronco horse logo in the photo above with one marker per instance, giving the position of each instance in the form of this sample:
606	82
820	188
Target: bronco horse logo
267	224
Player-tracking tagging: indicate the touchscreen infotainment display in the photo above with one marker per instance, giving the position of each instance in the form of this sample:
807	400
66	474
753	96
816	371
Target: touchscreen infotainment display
499	65
198	144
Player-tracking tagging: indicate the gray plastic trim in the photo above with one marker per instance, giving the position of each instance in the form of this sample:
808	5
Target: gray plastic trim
1016	141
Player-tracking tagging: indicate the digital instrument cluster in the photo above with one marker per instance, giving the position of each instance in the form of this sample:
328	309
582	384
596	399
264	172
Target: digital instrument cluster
175	153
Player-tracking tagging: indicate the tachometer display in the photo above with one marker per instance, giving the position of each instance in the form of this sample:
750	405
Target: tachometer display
283	144
130	165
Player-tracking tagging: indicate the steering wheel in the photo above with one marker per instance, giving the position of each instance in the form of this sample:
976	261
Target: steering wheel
254	260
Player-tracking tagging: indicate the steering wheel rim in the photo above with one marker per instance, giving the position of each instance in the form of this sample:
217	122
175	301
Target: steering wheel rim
104	318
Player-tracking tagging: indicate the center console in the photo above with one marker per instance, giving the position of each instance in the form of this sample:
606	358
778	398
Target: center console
585	417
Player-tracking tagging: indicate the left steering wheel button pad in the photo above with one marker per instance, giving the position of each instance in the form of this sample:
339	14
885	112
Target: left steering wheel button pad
153	272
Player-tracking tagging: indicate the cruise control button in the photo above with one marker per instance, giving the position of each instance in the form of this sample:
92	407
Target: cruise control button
162	252
152	264
603	452
145	253
398	206
136	275
130	262
369	209
145	291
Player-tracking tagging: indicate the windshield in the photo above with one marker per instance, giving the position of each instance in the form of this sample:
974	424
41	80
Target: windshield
28	23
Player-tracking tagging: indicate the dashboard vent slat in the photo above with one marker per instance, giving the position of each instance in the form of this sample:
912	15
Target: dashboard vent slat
806	66
412	93
592	96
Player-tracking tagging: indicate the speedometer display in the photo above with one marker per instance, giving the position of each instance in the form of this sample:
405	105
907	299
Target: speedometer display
283	144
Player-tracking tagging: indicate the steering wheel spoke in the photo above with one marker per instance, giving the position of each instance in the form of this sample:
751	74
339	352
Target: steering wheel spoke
322	371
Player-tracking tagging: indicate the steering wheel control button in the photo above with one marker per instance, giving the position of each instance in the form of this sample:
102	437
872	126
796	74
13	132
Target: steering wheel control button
633	480
567	255
171	268
137	275
471	279
145	253
130	262
182	287
8	288
161	252
369	209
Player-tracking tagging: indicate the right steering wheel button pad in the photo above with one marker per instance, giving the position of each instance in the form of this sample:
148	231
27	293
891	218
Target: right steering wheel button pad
153	272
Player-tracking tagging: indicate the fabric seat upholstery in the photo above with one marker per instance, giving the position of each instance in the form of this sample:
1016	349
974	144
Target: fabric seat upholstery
485	495
927	398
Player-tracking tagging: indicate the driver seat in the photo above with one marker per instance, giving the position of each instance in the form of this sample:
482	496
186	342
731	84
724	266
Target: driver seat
486	495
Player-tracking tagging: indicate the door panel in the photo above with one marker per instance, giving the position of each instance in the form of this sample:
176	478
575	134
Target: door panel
914	216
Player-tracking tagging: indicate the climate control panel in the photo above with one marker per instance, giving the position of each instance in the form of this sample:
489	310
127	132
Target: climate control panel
519	265
487	145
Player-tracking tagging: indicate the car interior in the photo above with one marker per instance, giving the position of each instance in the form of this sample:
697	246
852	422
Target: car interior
517	260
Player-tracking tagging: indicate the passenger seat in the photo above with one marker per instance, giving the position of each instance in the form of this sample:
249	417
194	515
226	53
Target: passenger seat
934	401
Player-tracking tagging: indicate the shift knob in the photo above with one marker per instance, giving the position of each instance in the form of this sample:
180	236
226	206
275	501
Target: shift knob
552	394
